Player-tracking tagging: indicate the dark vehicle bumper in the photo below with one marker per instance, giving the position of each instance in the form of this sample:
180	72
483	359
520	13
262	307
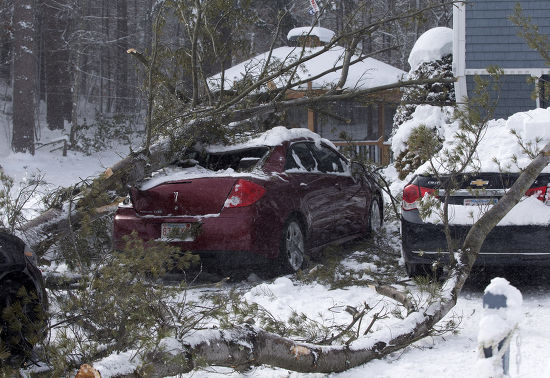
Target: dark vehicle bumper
424	243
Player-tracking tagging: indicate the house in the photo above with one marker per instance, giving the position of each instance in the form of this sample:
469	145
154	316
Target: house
367	123
484	36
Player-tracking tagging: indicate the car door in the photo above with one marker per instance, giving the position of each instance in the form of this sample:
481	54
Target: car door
348	200
312	191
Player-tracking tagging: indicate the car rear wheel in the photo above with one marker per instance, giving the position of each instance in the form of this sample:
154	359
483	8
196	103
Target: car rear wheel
292	251
375	217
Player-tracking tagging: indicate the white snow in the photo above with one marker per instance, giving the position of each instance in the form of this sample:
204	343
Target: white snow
430	46
433	117
324	34
528	211
497	324
170	173
118	364
367	73
272	137
498	150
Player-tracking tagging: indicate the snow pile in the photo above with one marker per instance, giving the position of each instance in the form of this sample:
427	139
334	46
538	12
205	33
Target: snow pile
432	45
433	117
324	34
364	74
499	148
284	297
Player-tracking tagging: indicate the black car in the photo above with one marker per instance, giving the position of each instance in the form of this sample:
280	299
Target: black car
423	242
23	298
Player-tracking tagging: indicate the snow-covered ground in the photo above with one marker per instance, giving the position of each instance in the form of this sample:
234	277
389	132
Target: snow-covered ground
450	355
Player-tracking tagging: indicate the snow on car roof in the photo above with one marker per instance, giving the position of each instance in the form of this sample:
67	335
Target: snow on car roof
434	44
324	34
272	137
367	73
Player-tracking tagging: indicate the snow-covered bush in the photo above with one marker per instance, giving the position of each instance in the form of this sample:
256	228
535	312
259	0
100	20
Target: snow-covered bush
431	57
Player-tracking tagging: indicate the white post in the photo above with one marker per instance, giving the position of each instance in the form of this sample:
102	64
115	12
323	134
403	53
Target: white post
501	316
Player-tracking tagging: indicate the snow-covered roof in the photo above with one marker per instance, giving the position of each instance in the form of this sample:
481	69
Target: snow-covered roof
432	45
324	35
365	74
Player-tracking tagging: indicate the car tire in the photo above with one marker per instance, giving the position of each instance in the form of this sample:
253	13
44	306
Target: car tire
375	219
292	251
18	338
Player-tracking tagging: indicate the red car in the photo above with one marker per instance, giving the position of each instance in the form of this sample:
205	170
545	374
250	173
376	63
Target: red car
273	199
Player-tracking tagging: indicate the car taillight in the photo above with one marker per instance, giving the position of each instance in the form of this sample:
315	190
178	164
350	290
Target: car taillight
244	193
540	192
411	194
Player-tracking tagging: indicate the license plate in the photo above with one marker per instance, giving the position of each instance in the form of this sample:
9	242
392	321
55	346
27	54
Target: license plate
479	201
177	232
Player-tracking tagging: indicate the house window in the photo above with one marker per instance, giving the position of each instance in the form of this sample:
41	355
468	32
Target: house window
358	120
296	117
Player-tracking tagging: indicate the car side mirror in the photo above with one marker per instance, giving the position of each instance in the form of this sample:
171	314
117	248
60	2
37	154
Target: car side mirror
358	171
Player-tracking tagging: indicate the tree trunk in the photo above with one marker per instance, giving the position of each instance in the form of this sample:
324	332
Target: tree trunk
58	82
24	76
6	39
121	80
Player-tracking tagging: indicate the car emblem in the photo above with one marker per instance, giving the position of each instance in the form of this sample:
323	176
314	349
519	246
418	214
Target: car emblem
479	182
176	197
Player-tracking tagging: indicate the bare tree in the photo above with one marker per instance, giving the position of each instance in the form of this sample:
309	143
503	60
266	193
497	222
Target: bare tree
58	78
24	77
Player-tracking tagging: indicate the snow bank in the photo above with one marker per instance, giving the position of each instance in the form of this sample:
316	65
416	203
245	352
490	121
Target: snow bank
432	45
365	74
324	35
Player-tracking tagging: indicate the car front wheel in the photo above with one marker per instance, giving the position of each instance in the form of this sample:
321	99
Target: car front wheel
292	247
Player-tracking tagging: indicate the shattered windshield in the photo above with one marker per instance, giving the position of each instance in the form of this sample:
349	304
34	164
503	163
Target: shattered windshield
243	160
239	161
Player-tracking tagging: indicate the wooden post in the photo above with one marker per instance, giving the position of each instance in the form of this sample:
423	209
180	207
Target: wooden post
383	159
310	112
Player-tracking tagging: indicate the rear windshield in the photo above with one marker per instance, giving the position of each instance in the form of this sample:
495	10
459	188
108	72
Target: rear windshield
239	160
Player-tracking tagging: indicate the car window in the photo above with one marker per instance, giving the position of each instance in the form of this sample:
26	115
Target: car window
329	161
240	160
300	157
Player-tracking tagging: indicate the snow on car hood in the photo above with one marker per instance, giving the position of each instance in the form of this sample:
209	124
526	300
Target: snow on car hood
499	150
